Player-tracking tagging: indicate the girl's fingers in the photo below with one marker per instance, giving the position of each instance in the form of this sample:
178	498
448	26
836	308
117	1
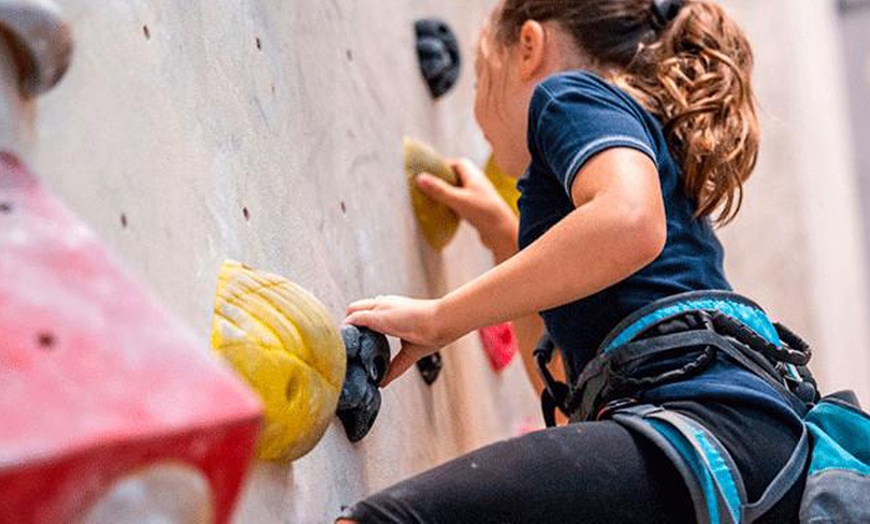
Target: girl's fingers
439	190
465	170
401	363
366	318
361	305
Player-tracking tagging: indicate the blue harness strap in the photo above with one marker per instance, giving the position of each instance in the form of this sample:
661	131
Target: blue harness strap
736	306
716	492
710	474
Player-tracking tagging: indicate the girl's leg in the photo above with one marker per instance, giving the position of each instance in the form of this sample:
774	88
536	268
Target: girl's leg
592	472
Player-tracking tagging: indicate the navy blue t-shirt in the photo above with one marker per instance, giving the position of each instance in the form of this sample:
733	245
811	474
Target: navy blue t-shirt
572	117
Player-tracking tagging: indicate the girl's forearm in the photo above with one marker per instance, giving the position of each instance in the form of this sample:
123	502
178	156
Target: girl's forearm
596	246
529	328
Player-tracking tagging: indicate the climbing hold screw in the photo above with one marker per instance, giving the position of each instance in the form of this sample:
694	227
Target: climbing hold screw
438	53
45	340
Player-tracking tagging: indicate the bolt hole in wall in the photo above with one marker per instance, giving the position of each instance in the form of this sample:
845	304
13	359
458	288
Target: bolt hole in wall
343	208
246	214
349	54
124	220
146	32
259	44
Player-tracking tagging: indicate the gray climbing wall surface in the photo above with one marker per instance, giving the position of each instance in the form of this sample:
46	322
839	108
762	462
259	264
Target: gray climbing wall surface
271	131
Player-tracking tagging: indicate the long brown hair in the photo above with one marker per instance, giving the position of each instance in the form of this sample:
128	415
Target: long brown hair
692	71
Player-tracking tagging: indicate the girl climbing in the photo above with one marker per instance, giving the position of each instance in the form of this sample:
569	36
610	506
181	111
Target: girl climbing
632	127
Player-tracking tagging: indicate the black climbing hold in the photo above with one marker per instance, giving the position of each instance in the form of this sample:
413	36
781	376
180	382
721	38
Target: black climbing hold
374	354
368	357
430	367
350	335
358	422
356	383
438	53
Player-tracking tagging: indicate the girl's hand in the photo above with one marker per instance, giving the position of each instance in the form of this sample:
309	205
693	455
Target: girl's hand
415	322
476	201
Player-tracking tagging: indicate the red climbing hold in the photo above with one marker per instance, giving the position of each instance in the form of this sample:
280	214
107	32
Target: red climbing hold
500	344
99	383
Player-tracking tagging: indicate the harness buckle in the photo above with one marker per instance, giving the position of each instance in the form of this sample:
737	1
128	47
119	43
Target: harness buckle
613	406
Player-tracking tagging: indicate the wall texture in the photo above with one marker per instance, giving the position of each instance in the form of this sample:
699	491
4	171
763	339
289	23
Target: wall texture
270	132
174	121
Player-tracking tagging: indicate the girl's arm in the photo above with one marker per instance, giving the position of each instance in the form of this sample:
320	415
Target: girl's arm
479	204
617	228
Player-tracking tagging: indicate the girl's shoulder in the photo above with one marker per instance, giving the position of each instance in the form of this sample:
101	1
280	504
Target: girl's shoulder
584	87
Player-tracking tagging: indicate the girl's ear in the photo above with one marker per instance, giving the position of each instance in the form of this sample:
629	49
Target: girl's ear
533	38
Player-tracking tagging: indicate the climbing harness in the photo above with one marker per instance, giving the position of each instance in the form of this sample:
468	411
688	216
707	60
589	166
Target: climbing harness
678	338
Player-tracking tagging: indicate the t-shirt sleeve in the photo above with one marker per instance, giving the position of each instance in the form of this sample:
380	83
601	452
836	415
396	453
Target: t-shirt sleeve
569	124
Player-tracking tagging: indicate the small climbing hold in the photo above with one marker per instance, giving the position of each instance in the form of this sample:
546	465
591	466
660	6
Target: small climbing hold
438	222
438	53
500	344
281	340
430	367
359	421
368	357
504	184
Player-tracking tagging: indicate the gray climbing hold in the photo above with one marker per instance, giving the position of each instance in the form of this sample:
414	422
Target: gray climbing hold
350	336
356	383
359	421
368	358
438	53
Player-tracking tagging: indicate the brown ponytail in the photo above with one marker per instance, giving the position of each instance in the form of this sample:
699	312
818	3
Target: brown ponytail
692	72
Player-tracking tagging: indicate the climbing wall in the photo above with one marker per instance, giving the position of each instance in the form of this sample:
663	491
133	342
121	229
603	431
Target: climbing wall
270	132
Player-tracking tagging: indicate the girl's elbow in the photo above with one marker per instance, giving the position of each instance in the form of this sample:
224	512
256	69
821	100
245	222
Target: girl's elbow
647	237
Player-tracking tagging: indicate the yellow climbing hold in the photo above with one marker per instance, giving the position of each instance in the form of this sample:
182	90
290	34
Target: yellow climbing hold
281	340
504	184
437	221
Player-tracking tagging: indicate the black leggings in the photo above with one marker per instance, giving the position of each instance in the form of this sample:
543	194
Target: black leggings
586	472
